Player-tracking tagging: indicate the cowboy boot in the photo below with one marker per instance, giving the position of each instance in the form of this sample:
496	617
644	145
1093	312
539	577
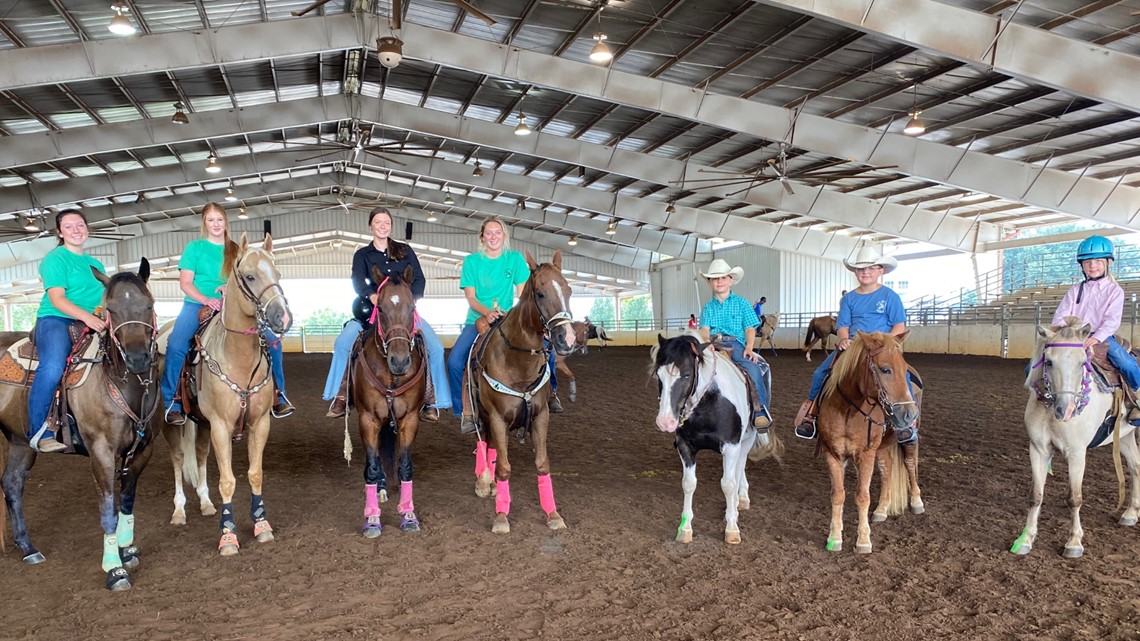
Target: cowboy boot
554	405
467	422
281	406
339	406
805	420
429	412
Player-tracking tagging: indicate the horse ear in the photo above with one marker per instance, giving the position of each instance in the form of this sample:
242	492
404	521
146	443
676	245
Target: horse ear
144	269
243	244
1044	332
530	262
902	336
268	244
377	275
660	340
101	277
1086	329
557	260
409	274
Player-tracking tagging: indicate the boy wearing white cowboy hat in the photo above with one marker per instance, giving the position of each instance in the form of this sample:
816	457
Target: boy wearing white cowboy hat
870	307
733	319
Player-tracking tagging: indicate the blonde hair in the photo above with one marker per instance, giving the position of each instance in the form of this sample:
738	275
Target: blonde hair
229	254
502	225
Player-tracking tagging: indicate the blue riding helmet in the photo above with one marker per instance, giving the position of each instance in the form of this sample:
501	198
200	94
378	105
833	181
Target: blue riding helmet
1095	247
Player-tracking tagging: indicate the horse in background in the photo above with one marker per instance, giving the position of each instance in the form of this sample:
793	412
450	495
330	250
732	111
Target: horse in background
767	331
509	376
592	331
114	411
819	330
864	400
1069	412
703	400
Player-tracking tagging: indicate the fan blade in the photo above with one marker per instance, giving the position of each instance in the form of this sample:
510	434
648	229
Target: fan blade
321	155
316	5
787	186
386	158
470	8
397	16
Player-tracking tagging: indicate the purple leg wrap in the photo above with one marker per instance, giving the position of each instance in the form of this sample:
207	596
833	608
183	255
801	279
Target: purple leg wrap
546	493
503	496
406	504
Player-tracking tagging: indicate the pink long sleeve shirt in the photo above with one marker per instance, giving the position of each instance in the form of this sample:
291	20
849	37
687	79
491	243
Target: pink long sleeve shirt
1101	306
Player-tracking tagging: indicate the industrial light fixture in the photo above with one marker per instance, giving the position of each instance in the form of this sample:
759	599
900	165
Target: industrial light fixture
914	126
179	117
432	217
573	241
241	213
352	65
521	129
120	25
212	164
601	53
31	225
611	228
230	197
478	169
447	199
670	209
390	50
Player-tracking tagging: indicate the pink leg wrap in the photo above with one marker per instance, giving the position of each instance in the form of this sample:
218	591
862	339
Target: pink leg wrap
546	493
371	504
503	496
480	458
492	456
406	504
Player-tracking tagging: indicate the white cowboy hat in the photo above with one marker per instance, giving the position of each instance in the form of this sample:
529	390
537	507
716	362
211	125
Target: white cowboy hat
719	267
869	256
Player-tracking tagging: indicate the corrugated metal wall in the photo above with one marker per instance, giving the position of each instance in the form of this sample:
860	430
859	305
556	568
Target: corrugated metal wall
674	294
809	284
762	275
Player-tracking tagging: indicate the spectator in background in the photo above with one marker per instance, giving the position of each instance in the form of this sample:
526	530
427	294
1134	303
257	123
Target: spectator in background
693	324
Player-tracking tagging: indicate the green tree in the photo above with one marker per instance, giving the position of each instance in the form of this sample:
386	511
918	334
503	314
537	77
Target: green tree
326	320
24	317
635	309
602	312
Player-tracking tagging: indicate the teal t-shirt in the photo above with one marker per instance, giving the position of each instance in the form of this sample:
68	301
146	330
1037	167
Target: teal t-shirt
71	271
494	279
204	259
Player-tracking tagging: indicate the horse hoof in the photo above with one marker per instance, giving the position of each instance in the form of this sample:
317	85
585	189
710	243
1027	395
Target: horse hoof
208	510
1127	521
1021	550
918	508
862	548
35	558
1073	553
684	536
118	580
130	557
372	530
732	538
835	545
228	550
409	523
178	518
501	526
744	504
878	518
554	521
228	545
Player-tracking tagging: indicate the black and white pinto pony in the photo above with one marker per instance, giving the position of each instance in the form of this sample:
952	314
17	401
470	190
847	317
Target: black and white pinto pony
704	402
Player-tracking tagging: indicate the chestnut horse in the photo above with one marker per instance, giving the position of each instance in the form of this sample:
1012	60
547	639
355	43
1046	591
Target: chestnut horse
388	384
509	374
866	397
820	330
113	410
232	386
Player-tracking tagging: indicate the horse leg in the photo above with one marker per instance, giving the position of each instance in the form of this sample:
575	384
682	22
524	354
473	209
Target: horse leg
1076	457
733	458
373	472
1039	456
554	520
743	502
884	463
103	468
910	460
173	437
498	429
202	456
16	468
688	486
835	535
125	532
482	468
258	435
1131	453
406	507
865	467
228	545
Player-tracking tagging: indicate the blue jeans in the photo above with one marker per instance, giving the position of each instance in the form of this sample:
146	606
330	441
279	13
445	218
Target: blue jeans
821	372
760	373
342	349
1124	362
457	361
53	345
179	344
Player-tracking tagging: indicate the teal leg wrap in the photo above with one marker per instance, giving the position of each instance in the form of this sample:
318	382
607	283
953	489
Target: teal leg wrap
111	558
125	531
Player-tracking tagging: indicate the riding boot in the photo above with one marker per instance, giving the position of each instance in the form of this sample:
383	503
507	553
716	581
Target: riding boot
761	420
805	420
467	422
339	406
554	405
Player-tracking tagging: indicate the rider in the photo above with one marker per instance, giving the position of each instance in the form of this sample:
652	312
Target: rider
871	307
200	277
392	257
759	309
71	292
730	316
490	280
693	324
1099	301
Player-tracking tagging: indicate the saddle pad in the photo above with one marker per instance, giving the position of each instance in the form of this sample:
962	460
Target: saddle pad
15	369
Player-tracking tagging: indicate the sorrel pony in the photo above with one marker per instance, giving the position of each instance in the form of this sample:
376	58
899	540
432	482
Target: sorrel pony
1068	412
704	401
232	386
863	401
113	411
820	330
509	375
388	385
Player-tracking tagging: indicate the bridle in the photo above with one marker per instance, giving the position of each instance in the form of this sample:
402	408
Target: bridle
139	420
557	320
1044	386
693	396
883	401
396	331
260	306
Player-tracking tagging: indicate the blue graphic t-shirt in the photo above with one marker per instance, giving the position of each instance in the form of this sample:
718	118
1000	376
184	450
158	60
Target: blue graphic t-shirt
878	311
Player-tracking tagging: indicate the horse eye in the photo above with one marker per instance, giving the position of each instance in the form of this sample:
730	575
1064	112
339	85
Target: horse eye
540	295
885	370
1048	363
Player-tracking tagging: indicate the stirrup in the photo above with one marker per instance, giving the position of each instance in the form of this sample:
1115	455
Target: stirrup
807	429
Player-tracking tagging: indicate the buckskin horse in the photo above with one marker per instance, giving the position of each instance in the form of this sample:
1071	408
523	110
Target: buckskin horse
767	332
388	385
113	410
864	400
1069	412
819	330
703	400
509	375
231	386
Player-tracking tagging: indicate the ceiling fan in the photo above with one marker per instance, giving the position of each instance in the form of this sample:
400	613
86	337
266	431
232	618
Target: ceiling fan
35	225
398	11
356	139
340	198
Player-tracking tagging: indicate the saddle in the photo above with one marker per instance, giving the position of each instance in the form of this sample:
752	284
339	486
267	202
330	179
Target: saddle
19	362
186	390
1108	377
725	351
473	368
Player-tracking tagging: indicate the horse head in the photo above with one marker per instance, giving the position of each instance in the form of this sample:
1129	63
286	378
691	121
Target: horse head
395	318
131	323
874	368
677	366
259	282
1060	363
549	293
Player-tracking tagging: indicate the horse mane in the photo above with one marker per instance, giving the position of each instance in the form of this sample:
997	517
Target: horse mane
673	350
229	259
854	361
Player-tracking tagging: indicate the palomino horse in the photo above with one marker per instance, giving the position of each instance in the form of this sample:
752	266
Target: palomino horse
771	321
510	376
113	410
1068	412
232	388
388	387
704	402
866	397
819	330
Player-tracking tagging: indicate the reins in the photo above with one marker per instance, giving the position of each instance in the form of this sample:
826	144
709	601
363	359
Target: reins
1044	385
378	339
882	402
139	420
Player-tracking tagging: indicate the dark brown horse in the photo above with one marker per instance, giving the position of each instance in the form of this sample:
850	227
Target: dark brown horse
510	376
819	330
113	409
388	382
864	400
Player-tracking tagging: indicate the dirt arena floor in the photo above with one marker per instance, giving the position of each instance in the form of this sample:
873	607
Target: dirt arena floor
616	573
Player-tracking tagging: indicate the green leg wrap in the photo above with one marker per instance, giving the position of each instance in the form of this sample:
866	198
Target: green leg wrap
125	531
111	558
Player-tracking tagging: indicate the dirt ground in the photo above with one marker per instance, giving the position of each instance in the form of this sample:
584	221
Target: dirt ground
616	573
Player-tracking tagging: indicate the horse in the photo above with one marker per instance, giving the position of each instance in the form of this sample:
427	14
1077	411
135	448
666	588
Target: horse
388	384
703	400
767	331
819	330
1069	413
113	409
864	400
595	331
231	389
509	375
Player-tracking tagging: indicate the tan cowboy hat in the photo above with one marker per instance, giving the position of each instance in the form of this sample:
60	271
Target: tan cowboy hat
869	256
719	267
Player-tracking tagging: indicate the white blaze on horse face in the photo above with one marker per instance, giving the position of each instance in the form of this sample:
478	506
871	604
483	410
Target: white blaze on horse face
667	420
395	300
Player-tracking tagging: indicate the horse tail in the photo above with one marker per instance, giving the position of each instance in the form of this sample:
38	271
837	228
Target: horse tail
810	338
189	443
898	490
767	446
388	437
